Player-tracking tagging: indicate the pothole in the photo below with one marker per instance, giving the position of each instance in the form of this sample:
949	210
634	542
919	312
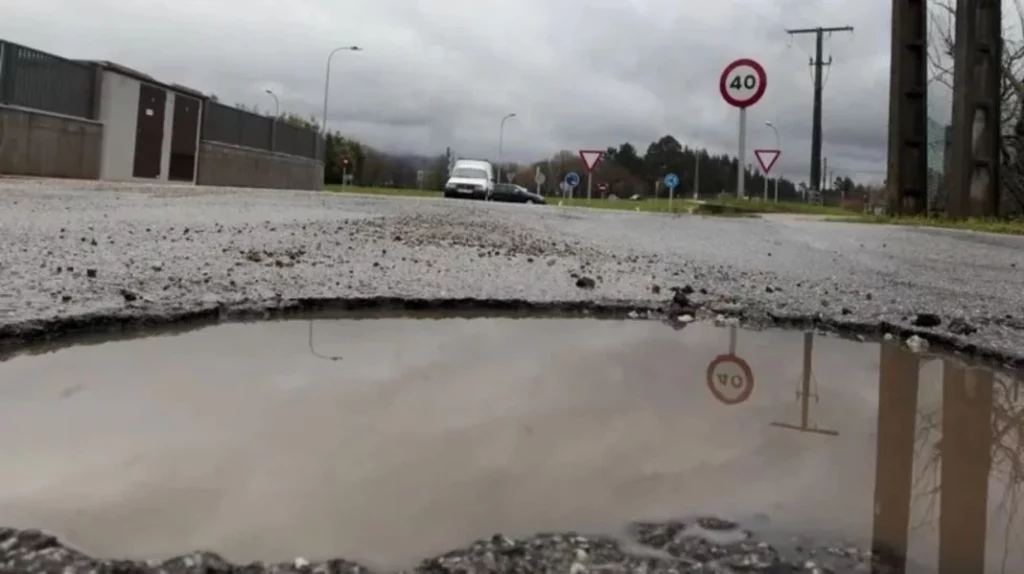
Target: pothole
388	441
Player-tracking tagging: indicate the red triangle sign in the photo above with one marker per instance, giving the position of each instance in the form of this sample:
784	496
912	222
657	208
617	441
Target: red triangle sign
767	158
591	157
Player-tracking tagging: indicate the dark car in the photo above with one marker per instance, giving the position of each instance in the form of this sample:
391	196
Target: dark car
513	193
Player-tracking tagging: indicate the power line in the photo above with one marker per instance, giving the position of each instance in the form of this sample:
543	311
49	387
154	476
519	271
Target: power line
818	63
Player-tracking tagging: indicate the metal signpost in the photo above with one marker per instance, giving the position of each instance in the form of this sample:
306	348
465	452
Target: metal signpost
572	180
671	182
590	157
767	158
742	84
539	178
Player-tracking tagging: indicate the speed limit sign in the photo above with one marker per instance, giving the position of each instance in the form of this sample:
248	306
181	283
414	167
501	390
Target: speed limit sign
743	83
730	379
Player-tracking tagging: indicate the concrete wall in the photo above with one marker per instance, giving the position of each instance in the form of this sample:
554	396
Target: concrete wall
42	144
119	105
235	166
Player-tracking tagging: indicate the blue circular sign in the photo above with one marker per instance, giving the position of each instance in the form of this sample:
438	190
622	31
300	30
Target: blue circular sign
672	180
572	178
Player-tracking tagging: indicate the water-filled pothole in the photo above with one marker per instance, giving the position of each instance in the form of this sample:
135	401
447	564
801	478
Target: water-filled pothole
250	440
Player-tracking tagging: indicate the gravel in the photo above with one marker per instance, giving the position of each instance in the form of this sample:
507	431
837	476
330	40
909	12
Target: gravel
81	257
705	545
77	255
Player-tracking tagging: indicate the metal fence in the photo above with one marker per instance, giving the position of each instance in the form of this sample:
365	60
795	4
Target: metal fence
39	80
229	125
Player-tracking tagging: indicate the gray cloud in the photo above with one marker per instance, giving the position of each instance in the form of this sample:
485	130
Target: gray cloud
440	73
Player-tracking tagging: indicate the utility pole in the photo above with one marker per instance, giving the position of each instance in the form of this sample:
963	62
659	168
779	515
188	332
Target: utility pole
977	76
907	170
819	41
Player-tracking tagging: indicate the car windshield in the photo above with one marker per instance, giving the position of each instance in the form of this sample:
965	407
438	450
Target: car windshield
469	173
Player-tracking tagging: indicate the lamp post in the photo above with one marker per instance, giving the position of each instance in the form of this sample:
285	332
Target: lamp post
327	88
501	139
778	146
273	126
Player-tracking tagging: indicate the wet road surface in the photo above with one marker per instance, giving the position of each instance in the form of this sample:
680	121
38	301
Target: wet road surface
74	249
248	440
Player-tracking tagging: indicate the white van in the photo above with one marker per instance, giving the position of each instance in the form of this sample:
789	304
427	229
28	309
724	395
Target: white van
470	178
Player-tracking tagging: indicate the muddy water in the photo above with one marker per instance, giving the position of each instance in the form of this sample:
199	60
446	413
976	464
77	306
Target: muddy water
248	440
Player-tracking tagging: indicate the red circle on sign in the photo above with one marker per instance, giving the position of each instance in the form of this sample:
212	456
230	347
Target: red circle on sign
762	83
747	374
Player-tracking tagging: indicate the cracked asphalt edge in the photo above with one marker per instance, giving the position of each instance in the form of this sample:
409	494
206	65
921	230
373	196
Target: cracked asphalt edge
140	318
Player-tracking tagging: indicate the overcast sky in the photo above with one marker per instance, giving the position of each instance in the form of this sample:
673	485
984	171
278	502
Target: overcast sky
437	73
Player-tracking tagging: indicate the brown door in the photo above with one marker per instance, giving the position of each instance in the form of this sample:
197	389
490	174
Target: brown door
149	131
184	129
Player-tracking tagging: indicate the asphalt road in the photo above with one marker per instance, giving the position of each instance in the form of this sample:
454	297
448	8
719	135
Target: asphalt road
79	255
83	249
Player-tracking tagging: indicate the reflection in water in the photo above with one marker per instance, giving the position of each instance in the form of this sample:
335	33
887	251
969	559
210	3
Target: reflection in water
803	394
961	446
431	433
312	346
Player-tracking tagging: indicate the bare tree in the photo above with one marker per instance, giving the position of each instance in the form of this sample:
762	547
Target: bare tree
1007	466
943	26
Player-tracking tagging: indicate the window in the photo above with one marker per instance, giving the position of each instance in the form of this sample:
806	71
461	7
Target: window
469	173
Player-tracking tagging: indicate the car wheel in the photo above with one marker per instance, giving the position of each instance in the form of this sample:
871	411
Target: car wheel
529	202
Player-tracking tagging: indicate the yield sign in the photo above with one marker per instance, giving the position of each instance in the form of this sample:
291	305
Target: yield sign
767	158
591	157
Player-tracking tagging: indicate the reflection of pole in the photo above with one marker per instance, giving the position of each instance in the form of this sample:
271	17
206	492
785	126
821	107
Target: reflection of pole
732	339
894	452
805	393
966	449
312	348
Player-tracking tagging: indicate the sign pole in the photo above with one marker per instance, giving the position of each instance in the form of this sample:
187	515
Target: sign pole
696	177
742	84
740	168
591	158
765	188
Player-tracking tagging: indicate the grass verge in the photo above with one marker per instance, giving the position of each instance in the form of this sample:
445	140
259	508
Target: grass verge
1001	226
725	207
758	206
385	191
660	205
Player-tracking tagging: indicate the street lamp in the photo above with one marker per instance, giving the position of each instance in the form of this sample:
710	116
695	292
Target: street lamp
501	138
277	103
778	147
273	126
327	87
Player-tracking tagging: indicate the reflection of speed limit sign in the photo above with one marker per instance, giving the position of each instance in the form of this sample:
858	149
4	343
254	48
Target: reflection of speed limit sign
743	82
730	379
